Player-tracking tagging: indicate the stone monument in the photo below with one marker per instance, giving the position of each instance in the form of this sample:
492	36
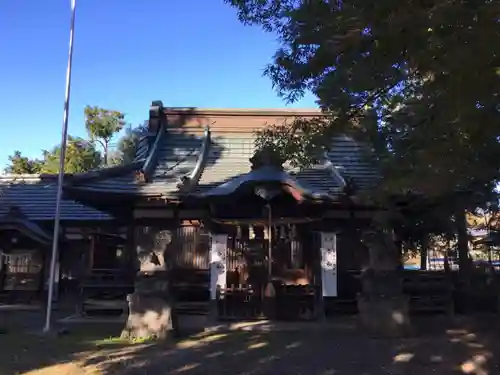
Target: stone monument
150	306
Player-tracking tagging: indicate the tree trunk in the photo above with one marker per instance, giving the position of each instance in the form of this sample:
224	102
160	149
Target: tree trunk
464	264
105	153
463	243
424	251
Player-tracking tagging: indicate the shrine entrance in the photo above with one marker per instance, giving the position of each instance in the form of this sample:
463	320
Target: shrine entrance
264	257
268	272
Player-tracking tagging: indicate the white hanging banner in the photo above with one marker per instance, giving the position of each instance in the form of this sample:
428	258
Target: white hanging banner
329	264
218	267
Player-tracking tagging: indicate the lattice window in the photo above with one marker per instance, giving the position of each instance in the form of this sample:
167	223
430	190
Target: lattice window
24	262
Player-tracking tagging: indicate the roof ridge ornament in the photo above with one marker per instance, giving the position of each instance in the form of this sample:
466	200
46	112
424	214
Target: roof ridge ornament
157	124
155	115
267	156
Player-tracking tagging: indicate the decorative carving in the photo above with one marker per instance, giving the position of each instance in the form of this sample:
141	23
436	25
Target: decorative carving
267	156
140	177
267	193
151	244
163	238
155	113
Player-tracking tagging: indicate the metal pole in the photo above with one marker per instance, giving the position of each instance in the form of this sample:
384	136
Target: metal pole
62	156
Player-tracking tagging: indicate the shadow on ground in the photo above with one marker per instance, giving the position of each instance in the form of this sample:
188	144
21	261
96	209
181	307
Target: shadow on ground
442	347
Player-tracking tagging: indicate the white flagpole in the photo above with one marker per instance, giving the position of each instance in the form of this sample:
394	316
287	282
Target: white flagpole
62	156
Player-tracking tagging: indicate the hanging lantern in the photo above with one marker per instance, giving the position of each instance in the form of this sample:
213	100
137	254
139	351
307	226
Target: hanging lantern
251	233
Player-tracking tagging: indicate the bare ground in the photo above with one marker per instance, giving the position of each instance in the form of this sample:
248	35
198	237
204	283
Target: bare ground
441	347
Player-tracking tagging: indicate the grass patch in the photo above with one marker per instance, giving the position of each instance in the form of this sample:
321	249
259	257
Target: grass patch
22	353
81	350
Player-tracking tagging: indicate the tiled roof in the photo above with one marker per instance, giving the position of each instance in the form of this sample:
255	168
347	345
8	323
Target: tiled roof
35	195
349	157
176	156
230	154
177	146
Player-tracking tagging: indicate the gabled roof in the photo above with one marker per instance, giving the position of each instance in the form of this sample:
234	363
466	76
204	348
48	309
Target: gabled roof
191	150
35	196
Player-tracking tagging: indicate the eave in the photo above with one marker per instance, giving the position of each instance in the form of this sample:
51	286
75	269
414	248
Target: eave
16	220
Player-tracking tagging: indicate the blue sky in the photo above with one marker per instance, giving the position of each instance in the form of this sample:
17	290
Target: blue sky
126	54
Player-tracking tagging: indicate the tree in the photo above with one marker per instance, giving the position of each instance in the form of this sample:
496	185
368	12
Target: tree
419	81
102	125
81	156
127	144
19	164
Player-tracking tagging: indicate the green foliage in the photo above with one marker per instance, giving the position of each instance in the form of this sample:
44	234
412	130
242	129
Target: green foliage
102	125
19	164
81	156
418	81
127	144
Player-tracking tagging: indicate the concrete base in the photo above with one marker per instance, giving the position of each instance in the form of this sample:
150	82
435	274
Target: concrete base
150	317
384	316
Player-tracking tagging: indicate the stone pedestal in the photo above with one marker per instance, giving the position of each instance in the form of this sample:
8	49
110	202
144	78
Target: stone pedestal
384	316
151	310
150	317
383	308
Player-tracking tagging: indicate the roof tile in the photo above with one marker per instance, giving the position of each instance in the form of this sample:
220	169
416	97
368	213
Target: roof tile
36	197
229	154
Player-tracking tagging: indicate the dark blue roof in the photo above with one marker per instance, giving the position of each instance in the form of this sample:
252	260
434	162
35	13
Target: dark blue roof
170	156
35	196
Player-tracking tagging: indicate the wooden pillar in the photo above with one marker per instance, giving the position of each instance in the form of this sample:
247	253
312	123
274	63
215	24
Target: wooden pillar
91	253
218	269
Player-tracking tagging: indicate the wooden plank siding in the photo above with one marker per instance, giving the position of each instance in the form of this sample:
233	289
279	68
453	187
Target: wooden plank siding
189	248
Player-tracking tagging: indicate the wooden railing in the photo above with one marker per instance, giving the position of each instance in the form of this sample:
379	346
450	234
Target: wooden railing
297	302
290	302
239	302
429	292
105	291
191	290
